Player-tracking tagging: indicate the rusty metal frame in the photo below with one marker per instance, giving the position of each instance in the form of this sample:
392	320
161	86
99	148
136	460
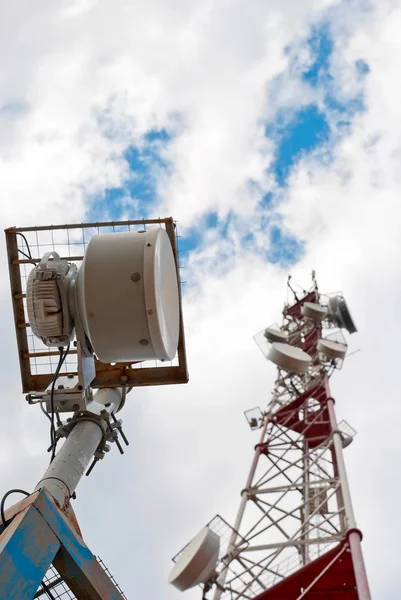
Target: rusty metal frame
39	535
106	375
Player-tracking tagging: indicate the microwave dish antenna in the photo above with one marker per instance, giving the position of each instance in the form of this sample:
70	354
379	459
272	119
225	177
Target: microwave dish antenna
289	358
275	335
197	562
89	315
314	311
123	301
331	349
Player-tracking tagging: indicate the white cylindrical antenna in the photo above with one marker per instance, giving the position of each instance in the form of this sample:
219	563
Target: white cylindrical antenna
332	349
124	298
313	311
289	358
197	562
127	296
275	335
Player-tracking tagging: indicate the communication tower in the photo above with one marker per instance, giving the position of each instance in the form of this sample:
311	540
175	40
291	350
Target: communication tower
295	535
97	312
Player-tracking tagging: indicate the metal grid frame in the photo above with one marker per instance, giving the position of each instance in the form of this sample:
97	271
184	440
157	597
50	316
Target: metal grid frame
57	589
286	524
38	362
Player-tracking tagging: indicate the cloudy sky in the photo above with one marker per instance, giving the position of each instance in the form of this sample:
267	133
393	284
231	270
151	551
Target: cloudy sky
271	131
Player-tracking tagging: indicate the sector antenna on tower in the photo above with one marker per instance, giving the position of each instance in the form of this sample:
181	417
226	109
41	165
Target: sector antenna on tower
340	313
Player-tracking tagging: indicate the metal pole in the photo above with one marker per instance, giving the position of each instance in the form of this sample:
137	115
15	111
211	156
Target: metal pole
65	471
354	535
306	500
338	449
223	575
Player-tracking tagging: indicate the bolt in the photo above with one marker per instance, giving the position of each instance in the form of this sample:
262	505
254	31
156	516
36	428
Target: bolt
143	342
136	277
148	244
75	407
150	312
60	387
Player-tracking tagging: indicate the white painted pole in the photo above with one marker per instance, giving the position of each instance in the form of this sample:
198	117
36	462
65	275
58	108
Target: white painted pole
244	499
70	463
354	535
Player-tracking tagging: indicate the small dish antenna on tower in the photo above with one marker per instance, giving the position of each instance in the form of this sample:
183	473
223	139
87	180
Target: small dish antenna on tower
313	311
289	358
197	562
265	338
275	335
333	350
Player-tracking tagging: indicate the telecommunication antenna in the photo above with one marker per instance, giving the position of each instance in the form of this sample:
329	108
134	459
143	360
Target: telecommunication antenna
295	535
97	312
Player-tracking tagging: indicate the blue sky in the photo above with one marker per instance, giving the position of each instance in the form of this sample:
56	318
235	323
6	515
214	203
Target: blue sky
225	109
312	128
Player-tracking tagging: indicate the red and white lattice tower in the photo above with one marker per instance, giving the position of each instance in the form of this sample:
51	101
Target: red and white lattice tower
295	534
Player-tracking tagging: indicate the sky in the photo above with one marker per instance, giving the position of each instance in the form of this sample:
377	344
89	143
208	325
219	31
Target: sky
271	131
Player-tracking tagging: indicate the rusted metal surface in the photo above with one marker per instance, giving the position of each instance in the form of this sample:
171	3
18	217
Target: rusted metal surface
106	375
87	581
70	515
18	308
41	534
182	356
27	547
74	561
93	225
17	508
59	588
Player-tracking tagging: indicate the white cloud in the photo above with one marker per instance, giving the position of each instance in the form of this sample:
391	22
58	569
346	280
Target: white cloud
206	72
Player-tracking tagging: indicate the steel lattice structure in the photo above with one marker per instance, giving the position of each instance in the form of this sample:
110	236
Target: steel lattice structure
295	534
54	587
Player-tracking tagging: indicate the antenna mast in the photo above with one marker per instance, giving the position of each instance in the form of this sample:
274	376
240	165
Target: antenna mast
295	534
97	313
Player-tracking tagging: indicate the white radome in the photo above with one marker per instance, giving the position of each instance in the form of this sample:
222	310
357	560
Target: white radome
197	562
275	335
124	297
289	358
313	311
332	349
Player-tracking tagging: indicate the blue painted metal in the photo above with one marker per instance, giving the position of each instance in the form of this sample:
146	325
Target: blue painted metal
75	562
40	534
27	547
